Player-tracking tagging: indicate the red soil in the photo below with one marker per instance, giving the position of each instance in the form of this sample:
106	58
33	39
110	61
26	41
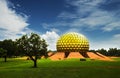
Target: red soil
60	56
75	55
98	56
57	56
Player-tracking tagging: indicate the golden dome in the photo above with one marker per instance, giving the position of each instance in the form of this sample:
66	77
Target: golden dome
72	42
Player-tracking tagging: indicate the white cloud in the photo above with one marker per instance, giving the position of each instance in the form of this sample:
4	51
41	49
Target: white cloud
112	26
96	19
67	15
11	23
73	30
116	39
89	14
54	29
51	38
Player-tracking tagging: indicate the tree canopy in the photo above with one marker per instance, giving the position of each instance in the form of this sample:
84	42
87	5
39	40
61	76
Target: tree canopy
33	46
10	46
3	53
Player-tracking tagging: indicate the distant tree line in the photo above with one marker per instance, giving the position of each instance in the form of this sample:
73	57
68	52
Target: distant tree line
109	52
12	50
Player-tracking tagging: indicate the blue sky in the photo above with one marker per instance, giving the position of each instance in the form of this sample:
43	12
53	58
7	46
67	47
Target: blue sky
98	20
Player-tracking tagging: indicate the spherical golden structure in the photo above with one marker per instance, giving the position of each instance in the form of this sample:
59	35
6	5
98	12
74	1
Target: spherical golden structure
72	42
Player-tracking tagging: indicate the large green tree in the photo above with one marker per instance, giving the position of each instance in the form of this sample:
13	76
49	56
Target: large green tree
33	46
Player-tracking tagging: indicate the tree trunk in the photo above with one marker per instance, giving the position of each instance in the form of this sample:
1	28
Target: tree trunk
35	63
34	60
5	58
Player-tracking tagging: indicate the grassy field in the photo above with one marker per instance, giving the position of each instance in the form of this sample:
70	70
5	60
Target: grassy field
18	68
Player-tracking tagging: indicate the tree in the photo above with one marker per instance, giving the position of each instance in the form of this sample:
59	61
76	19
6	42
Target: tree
102	51
10	46
113	52
3	53
118	54
33	46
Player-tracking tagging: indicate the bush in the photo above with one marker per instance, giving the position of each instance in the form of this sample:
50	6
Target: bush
82	59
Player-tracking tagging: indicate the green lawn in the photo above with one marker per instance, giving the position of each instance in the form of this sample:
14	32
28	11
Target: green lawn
16	68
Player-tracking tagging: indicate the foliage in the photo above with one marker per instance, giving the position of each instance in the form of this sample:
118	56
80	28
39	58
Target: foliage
3	53
33	46
114	52
110	52
103	51
10	46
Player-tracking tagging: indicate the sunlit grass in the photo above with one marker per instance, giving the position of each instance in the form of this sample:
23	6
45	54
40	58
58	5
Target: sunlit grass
71	68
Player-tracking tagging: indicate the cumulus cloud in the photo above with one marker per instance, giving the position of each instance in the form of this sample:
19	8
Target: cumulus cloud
11	23
51	38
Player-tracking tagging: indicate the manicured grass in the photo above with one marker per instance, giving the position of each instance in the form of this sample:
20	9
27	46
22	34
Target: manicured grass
73	68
